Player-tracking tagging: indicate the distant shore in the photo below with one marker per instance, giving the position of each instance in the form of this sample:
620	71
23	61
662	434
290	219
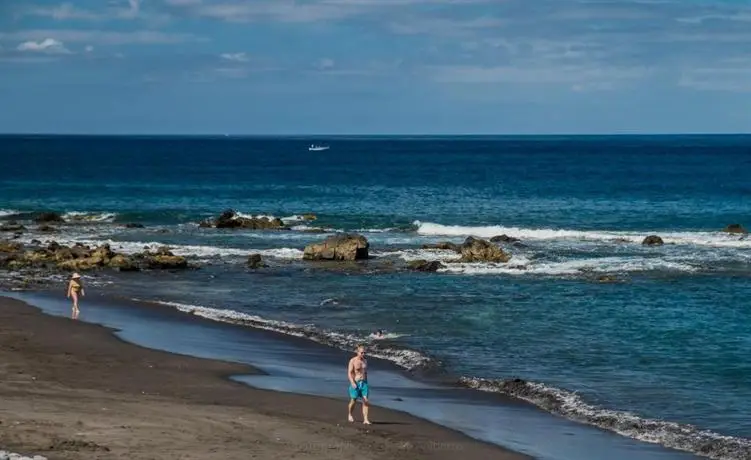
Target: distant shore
73	390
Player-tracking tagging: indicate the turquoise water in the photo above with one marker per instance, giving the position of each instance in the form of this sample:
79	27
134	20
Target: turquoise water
662	355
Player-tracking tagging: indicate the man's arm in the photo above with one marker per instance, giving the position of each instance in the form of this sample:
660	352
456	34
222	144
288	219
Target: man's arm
351	373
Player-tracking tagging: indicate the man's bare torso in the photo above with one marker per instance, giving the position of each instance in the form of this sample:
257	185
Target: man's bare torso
359	368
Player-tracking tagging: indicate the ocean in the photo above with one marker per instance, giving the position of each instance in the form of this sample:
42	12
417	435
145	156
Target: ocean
659	350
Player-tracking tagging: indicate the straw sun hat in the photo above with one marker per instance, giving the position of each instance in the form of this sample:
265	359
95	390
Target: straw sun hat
75	276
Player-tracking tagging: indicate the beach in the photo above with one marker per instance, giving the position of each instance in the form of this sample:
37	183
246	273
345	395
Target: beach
72	390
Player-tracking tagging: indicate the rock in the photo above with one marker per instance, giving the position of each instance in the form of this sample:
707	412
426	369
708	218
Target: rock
607	279
653	240
309	216
46	228
36	242
10	246
133	225
162	262
47	217
230	219
12	227
255	261
479	250
504	239
445	245
122	263
735	228
338	247
425	266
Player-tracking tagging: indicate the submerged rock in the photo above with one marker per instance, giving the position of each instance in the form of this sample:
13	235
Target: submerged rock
47	217
504	239
231	219
425	266
653	240
338	247
735	228
255	261
445	245
479	250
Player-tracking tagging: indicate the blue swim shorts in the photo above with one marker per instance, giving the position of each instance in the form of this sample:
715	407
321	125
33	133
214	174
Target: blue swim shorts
362	390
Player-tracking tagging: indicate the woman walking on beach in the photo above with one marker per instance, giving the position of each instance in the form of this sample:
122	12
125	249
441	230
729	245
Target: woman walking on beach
75	289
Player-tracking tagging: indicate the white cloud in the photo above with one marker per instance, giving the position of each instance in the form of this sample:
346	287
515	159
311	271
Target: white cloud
235	57
89	48
48	45
104	37
325	64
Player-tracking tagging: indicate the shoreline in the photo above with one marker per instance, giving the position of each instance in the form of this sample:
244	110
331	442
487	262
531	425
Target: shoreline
56	362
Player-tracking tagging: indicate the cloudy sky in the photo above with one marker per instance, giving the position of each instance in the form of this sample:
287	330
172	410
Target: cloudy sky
375	66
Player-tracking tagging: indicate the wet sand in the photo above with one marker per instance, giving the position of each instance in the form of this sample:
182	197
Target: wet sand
72	390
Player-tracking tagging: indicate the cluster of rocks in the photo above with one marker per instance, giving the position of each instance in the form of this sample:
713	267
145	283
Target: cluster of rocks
15	256
232	219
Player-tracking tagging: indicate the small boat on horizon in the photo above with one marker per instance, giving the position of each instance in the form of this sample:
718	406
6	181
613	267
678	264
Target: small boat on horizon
317	148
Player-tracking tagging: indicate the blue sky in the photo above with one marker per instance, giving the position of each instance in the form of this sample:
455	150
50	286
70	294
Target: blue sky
375	66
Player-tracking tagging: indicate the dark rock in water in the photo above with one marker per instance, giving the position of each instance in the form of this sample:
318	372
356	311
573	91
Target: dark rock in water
12	227
446	245
607	279
36	242
133	225
230	219
504	239
48	217
255	261
653	240
47	229
338	247
479	250
425	266
10	246
735	228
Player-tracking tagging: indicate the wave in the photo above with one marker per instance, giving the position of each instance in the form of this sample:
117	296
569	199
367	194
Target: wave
406	358
5	213
715	239
568	404
85	216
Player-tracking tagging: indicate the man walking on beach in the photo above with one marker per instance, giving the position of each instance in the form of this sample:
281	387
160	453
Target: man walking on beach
357	372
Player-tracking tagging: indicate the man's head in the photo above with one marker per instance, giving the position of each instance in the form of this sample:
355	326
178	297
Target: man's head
360	350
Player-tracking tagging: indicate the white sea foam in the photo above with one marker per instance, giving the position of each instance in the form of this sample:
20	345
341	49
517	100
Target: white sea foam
200	251
715	239
523	266
8	212
406	358
572	406
83	216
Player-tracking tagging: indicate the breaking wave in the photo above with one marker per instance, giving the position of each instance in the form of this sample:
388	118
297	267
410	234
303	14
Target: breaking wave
408	359
568	404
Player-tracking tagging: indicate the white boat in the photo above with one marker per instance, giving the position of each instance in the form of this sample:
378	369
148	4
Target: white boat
317	148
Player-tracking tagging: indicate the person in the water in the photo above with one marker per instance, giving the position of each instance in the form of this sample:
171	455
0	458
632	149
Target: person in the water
357	372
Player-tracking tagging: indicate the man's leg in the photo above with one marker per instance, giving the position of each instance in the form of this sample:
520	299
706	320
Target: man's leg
350	409
365	407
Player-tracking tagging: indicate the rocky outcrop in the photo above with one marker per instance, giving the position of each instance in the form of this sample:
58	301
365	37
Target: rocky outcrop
504	239
133	225
46	228
445	245
12	227
479	250
48	217
342	247
653	240
255	261
735	228
230	219
83	258
425	266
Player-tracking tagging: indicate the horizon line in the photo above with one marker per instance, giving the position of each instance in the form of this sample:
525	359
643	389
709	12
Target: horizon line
355	135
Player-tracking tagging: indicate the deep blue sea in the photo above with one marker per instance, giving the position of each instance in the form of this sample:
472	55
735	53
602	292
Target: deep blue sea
663	354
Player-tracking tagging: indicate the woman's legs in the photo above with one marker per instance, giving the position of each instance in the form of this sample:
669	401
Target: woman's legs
74	295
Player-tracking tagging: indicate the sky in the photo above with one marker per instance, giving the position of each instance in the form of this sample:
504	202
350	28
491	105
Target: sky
375	66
